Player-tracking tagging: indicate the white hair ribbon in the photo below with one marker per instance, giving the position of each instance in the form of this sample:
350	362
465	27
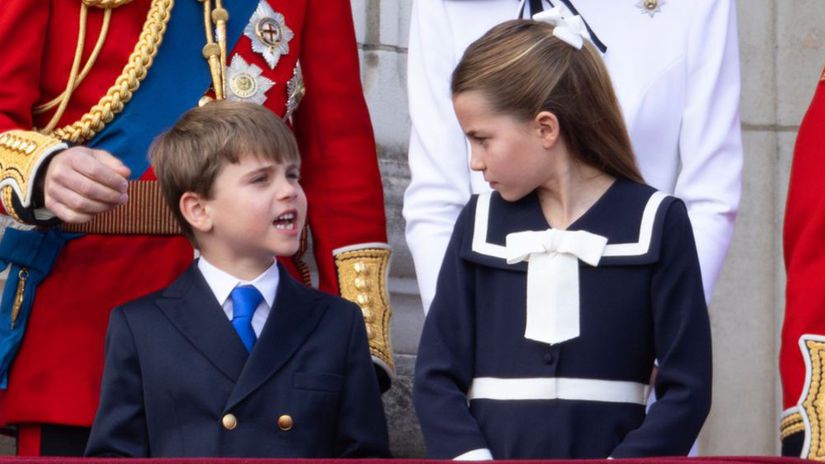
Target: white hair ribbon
553	278
571	30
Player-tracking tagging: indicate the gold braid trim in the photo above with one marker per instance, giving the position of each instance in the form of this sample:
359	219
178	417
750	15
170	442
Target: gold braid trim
812	404
8	204
21	155
108	4
790	425
128	82
362	278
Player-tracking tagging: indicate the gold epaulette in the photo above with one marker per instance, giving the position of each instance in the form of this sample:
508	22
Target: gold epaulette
362	277
21	155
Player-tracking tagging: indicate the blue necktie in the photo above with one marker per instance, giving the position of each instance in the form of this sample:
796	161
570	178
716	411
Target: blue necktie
244	301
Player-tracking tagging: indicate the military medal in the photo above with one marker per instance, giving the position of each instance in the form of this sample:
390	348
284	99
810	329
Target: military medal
295	92
269	33
650	7
245	82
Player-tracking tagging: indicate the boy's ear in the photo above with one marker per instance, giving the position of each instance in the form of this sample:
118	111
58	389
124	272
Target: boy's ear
193	208
548	127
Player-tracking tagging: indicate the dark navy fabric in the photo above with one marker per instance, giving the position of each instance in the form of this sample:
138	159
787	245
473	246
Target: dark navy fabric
633	309
174	367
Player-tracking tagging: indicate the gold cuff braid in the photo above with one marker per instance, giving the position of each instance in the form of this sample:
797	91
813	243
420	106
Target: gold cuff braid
21	155
812	403
790	425
362	278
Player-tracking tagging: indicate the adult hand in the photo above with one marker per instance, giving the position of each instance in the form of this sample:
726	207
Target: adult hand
81	182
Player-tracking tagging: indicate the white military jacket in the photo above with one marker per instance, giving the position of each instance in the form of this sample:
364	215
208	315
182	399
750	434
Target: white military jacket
676	74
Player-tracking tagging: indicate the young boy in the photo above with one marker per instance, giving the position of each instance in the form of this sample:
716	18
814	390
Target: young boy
235	358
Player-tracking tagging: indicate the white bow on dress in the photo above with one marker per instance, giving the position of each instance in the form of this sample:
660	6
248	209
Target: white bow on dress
553	278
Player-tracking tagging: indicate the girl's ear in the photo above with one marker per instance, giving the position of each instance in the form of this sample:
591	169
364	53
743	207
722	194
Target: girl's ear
194	209
548	127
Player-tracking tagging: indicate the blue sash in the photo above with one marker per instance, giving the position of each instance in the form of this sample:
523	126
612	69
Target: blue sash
177	79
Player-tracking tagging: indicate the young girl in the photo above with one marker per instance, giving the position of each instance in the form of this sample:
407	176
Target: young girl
559	289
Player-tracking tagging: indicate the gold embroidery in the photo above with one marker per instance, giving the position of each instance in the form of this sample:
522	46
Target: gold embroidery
9	205
362	277
790	425
813	399
21	154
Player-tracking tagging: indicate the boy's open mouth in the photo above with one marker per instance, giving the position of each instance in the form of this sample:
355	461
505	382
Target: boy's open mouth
286	221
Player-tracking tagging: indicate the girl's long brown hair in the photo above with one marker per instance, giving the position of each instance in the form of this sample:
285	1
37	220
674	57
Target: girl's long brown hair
522	69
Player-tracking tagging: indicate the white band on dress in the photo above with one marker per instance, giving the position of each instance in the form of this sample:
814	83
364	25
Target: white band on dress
558	388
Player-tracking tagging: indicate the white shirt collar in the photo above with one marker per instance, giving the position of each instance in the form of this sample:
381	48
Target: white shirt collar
221	283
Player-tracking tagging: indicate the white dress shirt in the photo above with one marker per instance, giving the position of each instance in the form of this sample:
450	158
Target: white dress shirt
676	76
222	283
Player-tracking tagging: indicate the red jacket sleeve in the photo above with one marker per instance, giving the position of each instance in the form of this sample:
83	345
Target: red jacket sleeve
22	23
803	246
340	166
22	27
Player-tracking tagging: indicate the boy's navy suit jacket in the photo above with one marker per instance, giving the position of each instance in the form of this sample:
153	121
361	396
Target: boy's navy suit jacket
175	368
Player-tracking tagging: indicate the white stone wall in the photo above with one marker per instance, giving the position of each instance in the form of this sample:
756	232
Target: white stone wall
782	55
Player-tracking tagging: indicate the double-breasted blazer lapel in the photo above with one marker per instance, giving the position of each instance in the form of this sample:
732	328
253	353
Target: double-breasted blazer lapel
296	313
191	307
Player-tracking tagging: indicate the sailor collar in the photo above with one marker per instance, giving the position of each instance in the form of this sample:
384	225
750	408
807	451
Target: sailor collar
629	215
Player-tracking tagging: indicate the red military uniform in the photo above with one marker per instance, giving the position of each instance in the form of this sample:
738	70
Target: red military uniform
55	377
803	333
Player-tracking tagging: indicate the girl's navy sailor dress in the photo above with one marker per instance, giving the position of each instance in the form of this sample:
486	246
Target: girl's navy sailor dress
481	384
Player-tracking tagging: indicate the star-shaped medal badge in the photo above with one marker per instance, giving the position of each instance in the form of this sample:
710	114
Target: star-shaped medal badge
295	92
269	33
650	7
245	82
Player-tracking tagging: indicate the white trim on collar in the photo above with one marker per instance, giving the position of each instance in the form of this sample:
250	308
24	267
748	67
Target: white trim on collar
482	220
642	246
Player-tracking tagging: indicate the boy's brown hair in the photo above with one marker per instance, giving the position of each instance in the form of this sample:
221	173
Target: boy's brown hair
522	70
189	156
